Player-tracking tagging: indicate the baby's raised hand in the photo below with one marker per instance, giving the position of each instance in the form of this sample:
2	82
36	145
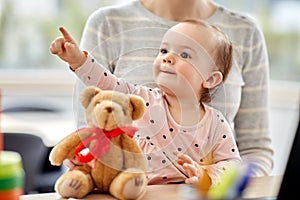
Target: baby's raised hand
66	48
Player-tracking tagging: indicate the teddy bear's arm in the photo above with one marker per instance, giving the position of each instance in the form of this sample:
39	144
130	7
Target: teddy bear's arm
133	154
66	147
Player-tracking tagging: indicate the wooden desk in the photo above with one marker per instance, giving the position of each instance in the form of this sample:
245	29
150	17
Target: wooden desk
258	187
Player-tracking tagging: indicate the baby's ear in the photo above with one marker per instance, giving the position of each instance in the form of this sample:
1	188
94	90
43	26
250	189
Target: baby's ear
213	80
88	94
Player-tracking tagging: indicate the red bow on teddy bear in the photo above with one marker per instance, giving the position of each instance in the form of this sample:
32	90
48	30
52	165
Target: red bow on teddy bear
102	142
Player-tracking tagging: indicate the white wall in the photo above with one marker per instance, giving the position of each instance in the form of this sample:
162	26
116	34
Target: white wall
285	101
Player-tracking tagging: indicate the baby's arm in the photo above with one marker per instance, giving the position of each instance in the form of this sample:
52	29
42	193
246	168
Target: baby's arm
66	48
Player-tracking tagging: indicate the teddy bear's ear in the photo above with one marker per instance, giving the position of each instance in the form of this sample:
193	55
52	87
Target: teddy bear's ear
138	105
88	94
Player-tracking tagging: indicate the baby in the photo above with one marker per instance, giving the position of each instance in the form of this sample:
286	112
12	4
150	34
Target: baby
183	138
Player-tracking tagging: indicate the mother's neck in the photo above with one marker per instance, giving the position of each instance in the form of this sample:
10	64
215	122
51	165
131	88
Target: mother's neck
179	10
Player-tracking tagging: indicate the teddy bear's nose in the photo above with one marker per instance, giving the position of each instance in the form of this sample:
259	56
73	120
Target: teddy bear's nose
109	109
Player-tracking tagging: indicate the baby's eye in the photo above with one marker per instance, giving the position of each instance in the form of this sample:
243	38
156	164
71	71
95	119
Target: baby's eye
163	51
185	55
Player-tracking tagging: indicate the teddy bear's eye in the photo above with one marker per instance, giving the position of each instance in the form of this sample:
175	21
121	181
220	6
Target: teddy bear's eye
97	102
124	111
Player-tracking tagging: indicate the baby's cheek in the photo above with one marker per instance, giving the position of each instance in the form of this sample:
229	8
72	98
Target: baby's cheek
185	69
156	68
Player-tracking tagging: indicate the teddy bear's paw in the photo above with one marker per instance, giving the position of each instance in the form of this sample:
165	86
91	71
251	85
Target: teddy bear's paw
69	188
134	188
129	184
75	184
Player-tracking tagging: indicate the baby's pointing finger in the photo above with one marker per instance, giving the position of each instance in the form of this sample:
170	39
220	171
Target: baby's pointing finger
67	36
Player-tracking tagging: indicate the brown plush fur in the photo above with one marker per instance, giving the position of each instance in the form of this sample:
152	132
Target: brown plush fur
121	170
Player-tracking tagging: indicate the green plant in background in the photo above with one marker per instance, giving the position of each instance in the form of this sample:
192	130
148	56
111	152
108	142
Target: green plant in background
283	51
71	16
4	13
283	48
25	40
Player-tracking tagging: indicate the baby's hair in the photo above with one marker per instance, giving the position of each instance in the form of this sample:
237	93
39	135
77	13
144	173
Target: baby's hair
222	53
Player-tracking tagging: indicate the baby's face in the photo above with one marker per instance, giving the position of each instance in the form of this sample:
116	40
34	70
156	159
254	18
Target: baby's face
184	59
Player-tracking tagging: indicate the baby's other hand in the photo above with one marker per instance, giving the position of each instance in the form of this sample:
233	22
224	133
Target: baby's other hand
192	168
71	163
67	49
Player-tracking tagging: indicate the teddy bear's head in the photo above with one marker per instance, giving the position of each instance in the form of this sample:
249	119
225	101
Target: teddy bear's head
108	109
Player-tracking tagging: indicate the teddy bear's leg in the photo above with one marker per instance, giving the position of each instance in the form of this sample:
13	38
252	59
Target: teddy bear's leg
75	184
129	184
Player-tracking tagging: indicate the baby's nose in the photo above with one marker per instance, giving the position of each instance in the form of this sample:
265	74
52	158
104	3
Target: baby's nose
169	59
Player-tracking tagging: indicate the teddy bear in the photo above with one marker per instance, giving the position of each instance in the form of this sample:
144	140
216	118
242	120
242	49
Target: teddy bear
112	159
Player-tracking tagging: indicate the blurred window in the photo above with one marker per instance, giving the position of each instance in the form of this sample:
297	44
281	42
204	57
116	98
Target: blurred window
279	20
28	27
